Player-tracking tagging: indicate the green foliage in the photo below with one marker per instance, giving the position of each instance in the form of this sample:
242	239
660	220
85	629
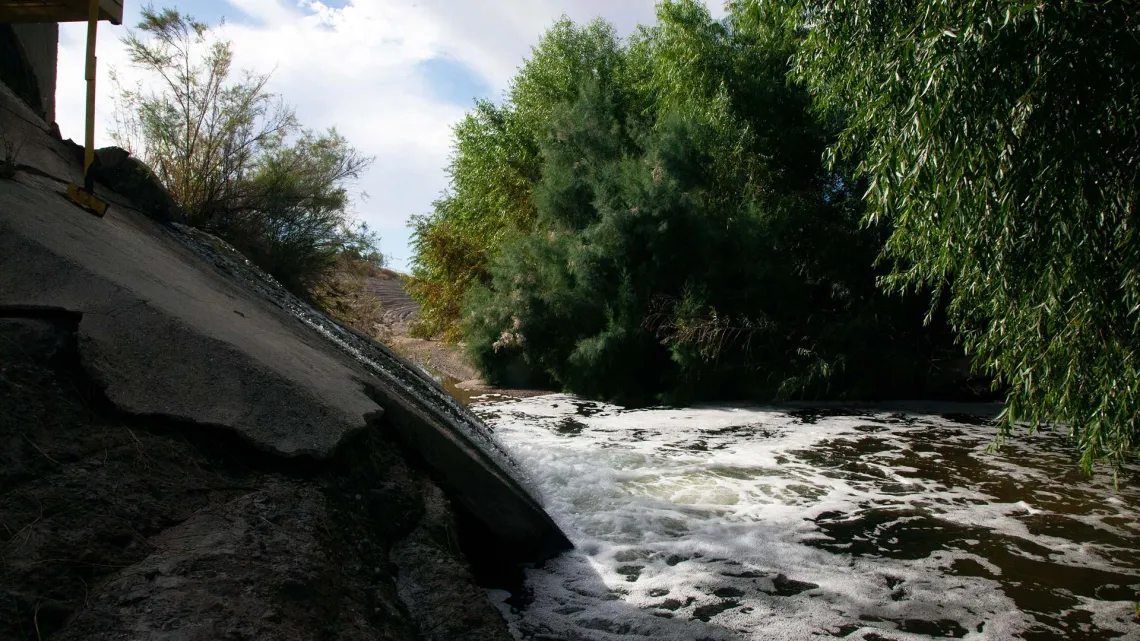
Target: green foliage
689	243
491	171
291	216
494	168
567	58
234	157
1000	140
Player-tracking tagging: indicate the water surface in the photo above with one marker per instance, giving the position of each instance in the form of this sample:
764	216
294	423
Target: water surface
761	523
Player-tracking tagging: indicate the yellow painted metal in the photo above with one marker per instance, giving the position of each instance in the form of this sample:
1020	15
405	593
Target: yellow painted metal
86	200
16	11
85	196
89	76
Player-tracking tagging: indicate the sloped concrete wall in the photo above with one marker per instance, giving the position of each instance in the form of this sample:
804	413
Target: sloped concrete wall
170	328
41	48
30	54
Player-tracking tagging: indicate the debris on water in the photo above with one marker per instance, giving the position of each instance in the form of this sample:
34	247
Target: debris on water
790	587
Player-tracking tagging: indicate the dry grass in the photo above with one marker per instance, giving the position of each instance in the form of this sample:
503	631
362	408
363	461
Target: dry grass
343	294
9	156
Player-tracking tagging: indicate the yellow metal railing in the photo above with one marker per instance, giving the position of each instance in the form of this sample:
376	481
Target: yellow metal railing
91	12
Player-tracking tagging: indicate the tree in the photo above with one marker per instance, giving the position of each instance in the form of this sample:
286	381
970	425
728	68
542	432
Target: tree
494	168
999	140
689	243
492	171
233	156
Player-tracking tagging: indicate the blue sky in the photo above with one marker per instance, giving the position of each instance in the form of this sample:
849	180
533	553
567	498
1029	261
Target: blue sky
452	81
391	75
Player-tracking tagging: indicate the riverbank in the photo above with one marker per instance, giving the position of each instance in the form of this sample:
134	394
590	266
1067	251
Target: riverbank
445	361
192	452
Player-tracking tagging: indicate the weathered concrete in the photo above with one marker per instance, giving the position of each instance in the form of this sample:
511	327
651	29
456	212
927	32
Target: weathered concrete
28	56
38	150
41	50
153	332
166	333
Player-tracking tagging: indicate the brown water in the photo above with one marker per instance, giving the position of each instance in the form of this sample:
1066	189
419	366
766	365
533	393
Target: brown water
781	523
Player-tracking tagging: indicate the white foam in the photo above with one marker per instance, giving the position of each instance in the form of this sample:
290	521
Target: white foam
901	522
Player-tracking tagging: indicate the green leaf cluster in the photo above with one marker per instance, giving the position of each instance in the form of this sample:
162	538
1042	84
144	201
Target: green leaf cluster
999	140
684	239
234	157
494	168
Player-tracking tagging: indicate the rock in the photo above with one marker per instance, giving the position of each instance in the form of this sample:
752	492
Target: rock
226	590
131	178
229	544
436	586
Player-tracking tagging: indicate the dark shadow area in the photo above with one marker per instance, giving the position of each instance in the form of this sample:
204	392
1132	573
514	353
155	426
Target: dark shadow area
16	72
109	521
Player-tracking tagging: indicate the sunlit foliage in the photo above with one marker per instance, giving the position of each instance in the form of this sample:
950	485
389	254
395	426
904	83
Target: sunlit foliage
689	243
234	157
494	167
1000	141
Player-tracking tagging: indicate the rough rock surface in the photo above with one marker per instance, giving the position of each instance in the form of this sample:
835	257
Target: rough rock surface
125	174
120	527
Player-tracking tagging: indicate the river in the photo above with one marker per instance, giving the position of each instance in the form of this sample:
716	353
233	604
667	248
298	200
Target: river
737	522
733	523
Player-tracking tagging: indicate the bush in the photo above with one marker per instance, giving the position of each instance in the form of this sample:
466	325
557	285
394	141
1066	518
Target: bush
494	169
999	141
233	156
690	244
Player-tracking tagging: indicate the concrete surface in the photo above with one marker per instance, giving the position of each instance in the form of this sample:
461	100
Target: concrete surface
152	332
167	333
41	51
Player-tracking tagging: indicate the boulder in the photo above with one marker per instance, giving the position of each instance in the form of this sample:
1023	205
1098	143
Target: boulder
129	177
129	527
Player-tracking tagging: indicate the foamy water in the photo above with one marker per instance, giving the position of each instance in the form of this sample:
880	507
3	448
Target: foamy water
752	523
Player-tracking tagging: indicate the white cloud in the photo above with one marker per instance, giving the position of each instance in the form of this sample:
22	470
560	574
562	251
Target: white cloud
355	67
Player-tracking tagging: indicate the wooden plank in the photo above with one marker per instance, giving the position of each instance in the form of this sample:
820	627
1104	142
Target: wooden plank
21	11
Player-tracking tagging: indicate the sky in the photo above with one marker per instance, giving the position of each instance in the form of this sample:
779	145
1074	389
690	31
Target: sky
393	76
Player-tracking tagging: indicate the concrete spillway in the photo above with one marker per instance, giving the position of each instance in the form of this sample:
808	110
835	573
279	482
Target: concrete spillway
174	323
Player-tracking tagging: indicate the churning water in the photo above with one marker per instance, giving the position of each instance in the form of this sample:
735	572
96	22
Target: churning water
759	523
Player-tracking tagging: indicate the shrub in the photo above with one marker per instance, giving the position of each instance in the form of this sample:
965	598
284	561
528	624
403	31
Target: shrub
999	141
494	168
233	155
697	247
